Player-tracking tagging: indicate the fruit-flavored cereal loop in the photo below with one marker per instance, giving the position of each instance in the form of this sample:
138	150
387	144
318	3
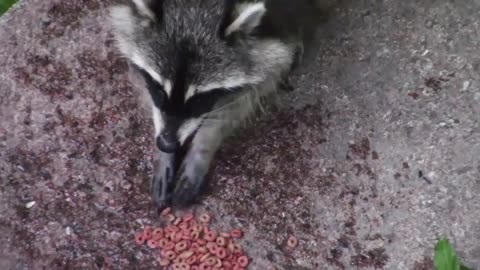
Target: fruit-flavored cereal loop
210	236
243	261
166	211
139	238
189	243
292	242
147	233
236	233
152	243
204	218
157	234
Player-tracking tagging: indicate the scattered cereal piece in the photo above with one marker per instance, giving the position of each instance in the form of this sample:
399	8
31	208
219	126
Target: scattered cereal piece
166	211
162	242
191	260
169	246
212	248
157	234
225	235
184	225
227	265
178	237
204	218
187	244
292	242
221	241
177	221
221	253
210	236
237	249
188	217
243	261
211	261
218	264
164	262
170	254
186	254
139	239
184	266
170	218
147	233
152	243
181	246
236	233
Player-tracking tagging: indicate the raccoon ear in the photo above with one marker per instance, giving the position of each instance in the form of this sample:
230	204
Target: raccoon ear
246	18
151	9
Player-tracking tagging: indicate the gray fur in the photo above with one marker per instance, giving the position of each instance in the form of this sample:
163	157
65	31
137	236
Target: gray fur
257	62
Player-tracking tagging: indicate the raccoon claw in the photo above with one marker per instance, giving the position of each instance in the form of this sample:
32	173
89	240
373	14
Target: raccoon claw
163	179
188	188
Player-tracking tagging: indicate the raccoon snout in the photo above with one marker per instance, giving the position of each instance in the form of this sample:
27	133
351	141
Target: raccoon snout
167	142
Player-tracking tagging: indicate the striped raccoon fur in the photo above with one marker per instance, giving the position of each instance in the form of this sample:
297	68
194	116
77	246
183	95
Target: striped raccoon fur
206	64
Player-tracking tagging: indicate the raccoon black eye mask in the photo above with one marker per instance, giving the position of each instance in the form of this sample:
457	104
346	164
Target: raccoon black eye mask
206	65
167	165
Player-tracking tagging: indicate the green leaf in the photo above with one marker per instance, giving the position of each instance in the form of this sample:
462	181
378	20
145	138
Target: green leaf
5	5
445	256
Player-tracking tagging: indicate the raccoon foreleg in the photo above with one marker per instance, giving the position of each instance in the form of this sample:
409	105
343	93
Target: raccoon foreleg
285	84
162	184
191	176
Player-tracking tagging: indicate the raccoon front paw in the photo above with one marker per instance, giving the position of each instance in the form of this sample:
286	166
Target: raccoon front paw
190	184
162	185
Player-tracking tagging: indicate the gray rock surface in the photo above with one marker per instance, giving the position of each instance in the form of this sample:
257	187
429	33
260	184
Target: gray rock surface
368	163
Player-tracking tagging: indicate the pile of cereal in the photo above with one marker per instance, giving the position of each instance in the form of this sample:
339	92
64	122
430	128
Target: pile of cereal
188	244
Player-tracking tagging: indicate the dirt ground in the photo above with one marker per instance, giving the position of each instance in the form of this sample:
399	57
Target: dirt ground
373	157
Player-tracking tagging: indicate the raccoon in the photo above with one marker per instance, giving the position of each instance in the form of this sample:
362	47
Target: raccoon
206	65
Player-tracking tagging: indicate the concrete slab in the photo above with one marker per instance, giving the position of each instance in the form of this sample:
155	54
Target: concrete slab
368	163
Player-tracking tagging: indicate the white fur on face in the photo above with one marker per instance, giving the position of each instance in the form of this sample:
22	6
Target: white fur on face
231	82
168	87
190	92
157	120
249	17
124	26
139	61
236	80
143	9
187	128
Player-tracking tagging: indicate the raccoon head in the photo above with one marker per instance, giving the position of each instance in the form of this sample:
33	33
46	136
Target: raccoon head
193	53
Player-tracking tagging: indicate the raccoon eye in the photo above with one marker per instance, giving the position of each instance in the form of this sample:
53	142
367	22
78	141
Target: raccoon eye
155	89
203	102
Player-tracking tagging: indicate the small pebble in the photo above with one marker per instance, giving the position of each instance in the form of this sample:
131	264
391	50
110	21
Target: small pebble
466	85
30	204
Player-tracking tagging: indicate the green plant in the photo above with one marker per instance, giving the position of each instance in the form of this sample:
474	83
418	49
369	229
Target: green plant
5	5
446	257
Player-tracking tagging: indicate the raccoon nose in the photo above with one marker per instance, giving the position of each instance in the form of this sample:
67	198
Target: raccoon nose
167	142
